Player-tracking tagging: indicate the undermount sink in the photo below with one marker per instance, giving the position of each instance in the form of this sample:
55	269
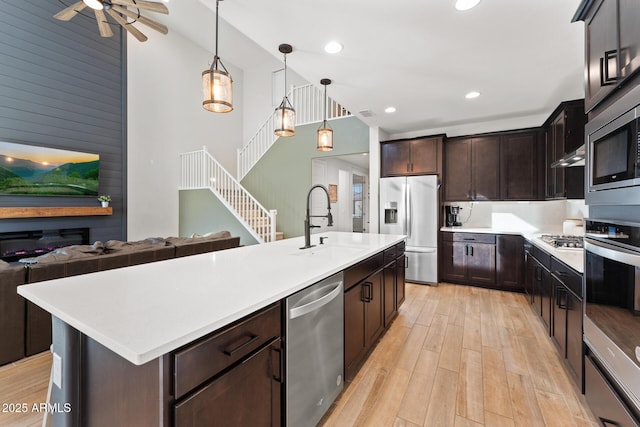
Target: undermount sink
328	250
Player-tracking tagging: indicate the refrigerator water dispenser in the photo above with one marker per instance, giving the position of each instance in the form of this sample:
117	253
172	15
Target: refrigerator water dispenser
391	213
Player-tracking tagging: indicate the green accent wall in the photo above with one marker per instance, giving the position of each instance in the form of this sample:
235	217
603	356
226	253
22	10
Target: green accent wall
201	212
282	178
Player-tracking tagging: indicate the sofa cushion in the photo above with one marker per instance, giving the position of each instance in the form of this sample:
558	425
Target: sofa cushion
210	242
140	245
67	253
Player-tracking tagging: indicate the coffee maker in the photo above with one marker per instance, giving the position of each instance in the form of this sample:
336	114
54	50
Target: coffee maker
452	213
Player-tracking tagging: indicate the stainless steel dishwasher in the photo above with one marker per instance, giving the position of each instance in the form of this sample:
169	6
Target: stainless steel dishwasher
314	349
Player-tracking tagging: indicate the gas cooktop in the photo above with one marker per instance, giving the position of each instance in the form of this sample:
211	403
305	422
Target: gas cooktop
562	241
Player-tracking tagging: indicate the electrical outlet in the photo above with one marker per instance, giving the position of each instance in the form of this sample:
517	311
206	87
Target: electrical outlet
57	370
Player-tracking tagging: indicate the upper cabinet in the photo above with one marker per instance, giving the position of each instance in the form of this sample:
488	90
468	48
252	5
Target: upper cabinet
612	41
564	133
492	167
417	156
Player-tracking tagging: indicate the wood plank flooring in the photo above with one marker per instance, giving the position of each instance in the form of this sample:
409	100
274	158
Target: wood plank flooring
455	356
462	356
24	382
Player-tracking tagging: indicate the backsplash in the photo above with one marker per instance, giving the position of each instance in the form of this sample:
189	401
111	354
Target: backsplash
530	217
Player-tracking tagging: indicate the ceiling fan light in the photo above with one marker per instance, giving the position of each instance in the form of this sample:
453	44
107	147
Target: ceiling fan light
94	4
217	91
325	138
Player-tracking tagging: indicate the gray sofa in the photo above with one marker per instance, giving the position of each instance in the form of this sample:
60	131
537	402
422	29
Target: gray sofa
26	328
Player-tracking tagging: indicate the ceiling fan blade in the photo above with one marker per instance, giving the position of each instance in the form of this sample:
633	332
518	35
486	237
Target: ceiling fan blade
146	21
133	30
103	25
142	4
69	12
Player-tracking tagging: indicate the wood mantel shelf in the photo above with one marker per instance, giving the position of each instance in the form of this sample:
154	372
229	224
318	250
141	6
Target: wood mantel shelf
39	212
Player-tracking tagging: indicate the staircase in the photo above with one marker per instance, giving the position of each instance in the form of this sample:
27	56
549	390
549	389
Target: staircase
308	101
199	170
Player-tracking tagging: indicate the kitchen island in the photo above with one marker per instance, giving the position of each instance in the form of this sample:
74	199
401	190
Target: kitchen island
116	331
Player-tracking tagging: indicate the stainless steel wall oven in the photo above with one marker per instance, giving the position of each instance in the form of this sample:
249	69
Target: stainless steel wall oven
612	306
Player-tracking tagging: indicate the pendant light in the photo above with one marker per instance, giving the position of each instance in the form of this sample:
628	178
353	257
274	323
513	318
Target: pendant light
325	133
217	83
285	118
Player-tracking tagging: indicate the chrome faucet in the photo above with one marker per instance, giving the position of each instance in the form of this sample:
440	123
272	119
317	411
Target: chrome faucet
307	220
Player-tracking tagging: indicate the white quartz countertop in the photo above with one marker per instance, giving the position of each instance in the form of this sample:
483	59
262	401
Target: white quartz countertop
574	258
145	311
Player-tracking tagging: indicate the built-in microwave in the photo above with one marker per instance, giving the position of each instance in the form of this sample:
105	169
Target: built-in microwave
613	155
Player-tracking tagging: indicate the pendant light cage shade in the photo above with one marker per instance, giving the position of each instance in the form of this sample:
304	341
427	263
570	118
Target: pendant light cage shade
217	90
285	119
285	116
217	84
324	140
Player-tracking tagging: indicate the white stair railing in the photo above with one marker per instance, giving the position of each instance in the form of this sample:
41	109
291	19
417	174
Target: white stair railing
308	101
199	170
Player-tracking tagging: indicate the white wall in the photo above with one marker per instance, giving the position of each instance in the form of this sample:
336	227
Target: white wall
165	118
258	92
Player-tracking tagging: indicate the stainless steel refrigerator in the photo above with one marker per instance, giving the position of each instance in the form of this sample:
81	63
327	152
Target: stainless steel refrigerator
409	205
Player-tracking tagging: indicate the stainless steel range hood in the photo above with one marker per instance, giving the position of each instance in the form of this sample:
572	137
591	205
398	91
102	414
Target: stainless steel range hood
575	158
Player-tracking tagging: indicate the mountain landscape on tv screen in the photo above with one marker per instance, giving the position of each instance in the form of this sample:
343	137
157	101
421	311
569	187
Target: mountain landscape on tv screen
30	170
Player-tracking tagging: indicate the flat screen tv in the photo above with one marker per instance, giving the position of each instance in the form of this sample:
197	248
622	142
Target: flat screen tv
40	171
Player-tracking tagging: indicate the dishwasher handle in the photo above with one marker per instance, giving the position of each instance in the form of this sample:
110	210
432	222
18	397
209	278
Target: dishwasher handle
316	304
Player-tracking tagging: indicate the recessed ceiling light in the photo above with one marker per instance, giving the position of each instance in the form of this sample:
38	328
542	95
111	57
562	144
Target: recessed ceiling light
466	4
333	47
472	94
390	110
365	154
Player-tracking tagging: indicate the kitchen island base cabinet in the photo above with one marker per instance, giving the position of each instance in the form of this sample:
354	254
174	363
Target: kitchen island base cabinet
364	321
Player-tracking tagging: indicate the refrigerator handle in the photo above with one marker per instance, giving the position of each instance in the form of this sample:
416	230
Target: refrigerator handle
409	210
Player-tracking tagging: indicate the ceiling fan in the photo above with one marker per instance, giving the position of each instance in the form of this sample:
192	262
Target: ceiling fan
119	11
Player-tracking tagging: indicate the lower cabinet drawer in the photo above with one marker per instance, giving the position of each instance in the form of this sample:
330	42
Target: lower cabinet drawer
247	395
603	400
201	361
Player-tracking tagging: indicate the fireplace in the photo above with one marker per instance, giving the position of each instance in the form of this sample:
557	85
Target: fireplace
15	245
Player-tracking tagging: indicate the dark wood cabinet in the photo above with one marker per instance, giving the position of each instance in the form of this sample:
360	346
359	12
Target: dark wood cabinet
564	133
472	169
602	47
417	156
519	166
510	262
612	44
390	283
469	258
247	395
457	170
401	265
364	320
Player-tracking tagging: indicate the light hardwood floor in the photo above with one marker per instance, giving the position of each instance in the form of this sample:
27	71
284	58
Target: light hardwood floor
455	356
462	356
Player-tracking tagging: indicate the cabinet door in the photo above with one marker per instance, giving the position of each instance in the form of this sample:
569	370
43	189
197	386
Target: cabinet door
529	278
550	189
389	293
575	348
395	158
601	45
481	263
485	168
353	328
559	126
559	324
401	265
424	156
247	395
374	309
629	37
457	170
519	166
510	262
546	293
454	261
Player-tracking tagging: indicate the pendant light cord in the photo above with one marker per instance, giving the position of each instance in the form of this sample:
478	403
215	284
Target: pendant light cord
216	56
285	75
